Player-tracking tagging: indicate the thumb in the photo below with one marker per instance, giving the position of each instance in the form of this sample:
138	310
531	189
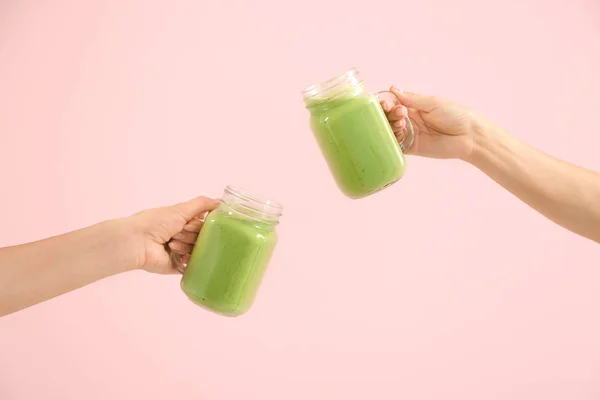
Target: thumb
191	208
416	101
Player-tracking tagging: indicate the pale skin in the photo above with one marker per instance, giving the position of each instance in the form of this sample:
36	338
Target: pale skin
566	194
35	272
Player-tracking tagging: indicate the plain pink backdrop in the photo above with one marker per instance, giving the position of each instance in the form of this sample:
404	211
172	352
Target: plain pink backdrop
441	287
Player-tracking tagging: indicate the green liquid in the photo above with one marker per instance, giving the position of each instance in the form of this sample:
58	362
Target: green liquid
228	262
358	144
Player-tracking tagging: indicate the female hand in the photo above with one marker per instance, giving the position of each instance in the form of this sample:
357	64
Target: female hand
442	129
161	231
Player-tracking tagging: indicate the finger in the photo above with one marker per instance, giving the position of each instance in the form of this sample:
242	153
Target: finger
411	150
180	248
191	208
397	113
185	259
186	237
178	262
399	125
194	225
400	135
416	101
387	100
386	105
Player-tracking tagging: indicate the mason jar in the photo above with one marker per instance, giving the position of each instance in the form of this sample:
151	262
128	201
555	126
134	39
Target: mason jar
355	136
232	253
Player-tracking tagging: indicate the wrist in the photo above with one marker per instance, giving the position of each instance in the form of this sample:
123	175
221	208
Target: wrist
120	239
485	136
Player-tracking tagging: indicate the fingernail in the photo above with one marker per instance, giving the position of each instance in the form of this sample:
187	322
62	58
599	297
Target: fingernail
400	112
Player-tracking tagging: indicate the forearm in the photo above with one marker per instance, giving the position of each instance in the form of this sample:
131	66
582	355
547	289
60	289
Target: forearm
565	193
34	272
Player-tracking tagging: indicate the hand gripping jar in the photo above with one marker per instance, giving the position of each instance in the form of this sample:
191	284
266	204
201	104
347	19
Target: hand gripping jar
355	136
232	253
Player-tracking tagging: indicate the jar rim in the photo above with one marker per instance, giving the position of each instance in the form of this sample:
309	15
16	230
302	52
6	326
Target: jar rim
270	208
330	83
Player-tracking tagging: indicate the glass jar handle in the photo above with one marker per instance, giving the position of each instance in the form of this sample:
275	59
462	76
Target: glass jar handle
409	136
177	261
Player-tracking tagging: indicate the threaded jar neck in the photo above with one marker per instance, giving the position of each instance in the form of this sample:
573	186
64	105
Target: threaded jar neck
347	84
245	203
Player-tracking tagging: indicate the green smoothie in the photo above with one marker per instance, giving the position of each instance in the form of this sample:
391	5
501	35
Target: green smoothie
228	262
357	142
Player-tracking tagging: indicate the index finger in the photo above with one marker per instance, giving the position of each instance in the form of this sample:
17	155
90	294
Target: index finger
195	224
194	207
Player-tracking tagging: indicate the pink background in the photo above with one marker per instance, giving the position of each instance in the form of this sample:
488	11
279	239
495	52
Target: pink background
442	287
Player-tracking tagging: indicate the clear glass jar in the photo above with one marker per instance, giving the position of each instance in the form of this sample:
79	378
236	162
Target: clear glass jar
355	136
232	253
